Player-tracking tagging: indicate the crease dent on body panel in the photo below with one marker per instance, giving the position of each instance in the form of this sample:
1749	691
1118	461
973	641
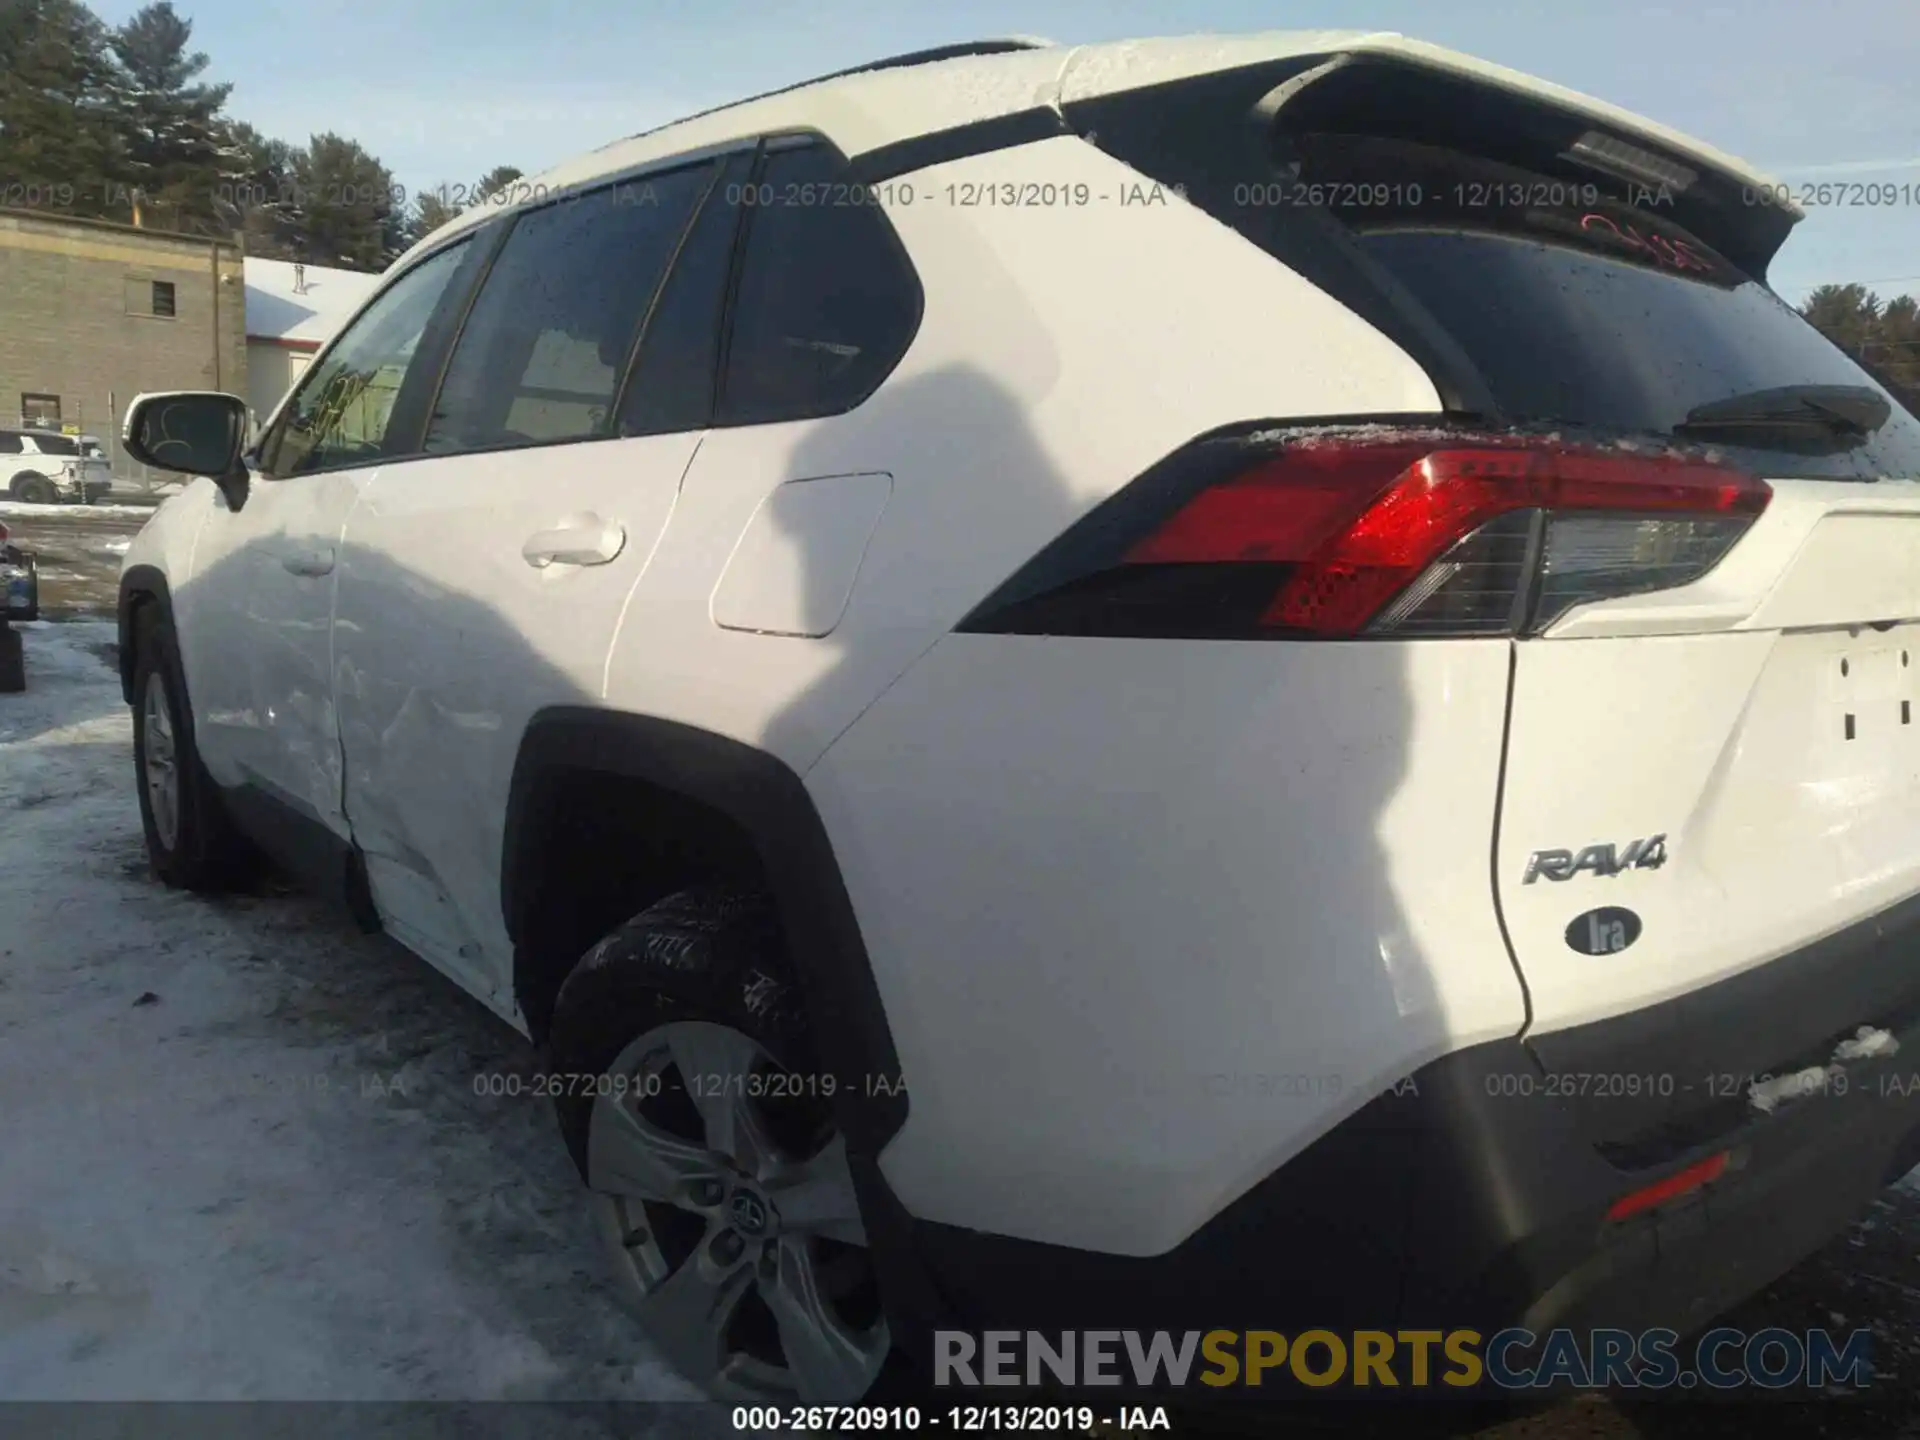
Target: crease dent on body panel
1715	786
193	545
877	696
360	498
659	538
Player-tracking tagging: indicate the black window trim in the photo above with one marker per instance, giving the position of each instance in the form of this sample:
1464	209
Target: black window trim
406	429
785	141
457	302
730	292
724	320
605	180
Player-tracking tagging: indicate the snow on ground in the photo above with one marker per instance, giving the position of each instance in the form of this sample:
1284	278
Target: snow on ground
22	507
241	1152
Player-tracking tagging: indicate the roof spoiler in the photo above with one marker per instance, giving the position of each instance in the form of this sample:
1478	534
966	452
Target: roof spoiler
1407	96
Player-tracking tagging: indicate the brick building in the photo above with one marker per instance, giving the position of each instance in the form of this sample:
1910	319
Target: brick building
92	313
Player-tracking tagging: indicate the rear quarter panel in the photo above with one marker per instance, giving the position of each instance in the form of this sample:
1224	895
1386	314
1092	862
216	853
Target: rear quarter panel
1146	916
1065	346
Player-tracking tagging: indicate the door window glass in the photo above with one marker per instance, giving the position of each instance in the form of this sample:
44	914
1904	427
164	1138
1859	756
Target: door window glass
339	414
543	352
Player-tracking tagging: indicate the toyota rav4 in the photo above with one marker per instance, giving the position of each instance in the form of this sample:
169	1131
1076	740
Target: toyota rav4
1206	682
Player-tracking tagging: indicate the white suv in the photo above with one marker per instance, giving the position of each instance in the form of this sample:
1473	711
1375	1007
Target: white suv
1199	683
44	467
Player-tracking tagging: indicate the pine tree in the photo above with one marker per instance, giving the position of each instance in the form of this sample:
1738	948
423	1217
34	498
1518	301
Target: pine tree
179	154
1848	315
59	138
431	209
493	181
1883	336
1896	350
343	210
262	195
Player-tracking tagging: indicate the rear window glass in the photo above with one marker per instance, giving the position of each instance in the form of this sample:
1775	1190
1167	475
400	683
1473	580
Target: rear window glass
1586	304
1565	335
1581	300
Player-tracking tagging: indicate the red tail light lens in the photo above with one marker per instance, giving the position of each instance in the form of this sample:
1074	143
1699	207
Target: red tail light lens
1340	536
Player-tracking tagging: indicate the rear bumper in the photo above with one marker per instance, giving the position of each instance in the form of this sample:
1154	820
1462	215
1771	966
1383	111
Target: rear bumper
1476	1196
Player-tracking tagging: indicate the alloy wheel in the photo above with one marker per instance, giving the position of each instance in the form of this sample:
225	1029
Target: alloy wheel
723	1190
159	762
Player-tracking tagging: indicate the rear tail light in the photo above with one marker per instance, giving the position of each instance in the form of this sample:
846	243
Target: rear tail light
1364	533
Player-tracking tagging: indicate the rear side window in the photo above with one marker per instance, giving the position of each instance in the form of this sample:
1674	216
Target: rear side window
56	445
10	444
826	303
546	345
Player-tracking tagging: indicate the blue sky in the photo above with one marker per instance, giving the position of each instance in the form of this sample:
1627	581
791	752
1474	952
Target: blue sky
442	90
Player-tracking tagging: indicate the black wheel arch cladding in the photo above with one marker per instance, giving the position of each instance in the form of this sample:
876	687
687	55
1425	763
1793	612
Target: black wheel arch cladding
140	586
767	801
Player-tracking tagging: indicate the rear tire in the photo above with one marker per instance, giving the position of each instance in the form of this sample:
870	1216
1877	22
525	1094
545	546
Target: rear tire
685	1085
190	840
33	488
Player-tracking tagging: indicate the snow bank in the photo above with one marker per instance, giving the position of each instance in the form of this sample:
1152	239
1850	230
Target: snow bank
21	507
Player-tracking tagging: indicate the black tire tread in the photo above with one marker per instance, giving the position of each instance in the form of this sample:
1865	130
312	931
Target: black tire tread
712	953
210	856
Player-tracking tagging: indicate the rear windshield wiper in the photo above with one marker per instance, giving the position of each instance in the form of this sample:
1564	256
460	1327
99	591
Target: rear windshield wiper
1844	413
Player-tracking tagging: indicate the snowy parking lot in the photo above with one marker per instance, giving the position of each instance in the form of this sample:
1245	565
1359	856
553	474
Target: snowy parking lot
243	1152
247	1153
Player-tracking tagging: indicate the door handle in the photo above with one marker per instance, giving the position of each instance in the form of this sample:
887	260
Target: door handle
309	562
586	540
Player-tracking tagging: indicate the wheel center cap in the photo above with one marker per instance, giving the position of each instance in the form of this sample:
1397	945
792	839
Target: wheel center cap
751	1215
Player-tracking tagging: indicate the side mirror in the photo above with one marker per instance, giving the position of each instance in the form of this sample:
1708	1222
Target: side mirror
197	432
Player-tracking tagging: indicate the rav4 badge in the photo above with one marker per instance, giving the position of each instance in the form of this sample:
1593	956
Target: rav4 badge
1647	854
